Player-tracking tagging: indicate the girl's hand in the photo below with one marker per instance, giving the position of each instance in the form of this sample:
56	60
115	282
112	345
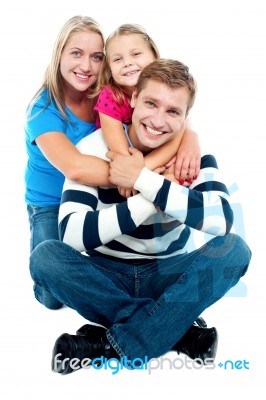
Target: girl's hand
125	192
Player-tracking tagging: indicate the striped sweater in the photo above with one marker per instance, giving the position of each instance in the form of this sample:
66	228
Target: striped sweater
155	223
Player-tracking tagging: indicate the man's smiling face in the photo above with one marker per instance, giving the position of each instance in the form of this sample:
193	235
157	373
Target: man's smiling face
159	113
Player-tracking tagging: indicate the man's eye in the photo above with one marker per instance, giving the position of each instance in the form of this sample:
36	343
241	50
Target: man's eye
149	103
174	112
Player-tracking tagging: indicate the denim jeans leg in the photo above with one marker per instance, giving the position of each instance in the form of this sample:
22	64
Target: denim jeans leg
210	272
43	226
73	280
139	327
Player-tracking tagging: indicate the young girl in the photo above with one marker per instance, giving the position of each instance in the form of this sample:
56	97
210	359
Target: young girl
128	50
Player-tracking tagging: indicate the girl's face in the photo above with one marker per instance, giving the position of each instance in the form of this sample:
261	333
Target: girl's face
81	60
127	56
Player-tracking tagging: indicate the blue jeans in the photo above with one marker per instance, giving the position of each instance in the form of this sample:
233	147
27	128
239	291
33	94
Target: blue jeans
43	226
147	306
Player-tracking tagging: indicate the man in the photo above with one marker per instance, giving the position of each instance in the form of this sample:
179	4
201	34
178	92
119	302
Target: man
139	282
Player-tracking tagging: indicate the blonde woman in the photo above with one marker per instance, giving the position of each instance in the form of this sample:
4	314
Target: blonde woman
61	114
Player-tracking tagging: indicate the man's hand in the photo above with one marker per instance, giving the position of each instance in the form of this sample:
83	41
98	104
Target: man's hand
124	170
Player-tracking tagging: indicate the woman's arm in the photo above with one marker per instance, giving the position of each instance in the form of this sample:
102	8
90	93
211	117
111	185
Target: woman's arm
187	164
63	155
183	151
163	154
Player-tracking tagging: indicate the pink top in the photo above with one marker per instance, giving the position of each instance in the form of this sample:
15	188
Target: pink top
108	106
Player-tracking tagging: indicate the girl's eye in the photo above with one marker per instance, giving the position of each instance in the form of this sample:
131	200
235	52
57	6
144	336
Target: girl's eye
76	53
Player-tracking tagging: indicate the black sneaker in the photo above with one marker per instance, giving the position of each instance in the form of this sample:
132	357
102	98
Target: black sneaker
72	352
199	343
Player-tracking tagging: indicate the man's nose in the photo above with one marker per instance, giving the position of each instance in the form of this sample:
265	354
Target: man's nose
158	119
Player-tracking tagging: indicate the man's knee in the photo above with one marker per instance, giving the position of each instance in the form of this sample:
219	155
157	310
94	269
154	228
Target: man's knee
42	257
242	251
228	246
240	256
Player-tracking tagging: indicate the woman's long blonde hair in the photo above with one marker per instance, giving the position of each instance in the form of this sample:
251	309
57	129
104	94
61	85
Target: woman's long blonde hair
53	80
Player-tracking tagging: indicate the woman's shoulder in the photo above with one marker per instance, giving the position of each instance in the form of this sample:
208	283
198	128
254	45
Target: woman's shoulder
43	101
43	108
42	98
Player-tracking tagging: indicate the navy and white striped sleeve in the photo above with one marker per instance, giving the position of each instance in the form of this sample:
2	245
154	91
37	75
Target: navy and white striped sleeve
203	206
86	223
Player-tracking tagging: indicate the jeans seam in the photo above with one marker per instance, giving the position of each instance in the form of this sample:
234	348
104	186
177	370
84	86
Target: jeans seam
115	345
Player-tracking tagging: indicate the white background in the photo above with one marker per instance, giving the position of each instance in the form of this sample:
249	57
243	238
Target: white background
223	42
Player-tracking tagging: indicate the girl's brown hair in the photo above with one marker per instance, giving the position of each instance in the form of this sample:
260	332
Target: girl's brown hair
105	76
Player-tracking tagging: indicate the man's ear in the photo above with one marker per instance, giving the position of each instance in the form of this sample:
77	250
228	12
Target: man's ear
133	99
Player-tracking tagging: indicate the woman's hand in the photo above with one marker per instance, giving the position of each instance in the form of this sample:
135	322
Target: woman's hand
187	163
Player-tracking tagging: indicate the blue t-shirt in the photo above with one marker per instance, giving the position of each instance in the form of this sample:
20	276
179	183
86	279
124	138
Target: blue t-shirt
44	182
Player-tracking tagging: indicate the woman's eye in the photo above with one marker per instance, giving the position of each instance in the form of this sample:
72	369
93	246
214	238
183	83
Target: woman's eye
98	57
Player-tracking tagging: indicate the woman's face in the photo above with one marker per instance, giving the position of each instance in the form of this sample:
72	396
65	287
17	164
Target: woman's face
81	60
